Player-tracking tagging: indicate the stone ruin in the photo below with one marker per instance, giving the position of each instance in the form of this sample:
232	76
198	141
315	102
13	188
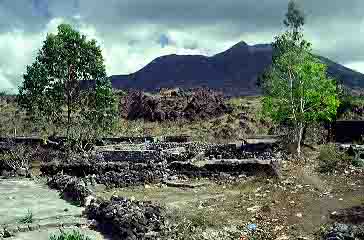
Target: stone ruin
122	162
129	164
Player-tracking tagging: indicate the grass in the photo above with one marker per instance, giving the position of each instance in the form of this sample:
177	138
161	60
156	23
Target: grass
28	218
331	159
74	235
213	210
225	128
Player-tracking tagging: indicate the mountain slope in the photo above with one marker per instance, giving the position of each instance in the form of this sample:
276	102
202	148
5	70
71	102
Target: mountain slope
233	71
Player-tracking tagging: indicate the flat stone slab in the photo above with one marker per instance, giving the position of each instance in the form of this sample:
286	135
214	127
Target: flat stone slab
19	196
50	212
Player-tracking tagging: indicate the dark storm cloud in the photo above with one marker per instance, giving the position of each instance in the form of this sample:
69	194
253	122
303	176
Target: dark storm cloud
184	14
150	27
325	19
33	15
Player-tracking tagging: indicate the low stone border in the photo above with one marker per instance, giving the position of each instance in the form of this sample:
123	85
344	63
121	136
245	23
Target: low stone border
10	230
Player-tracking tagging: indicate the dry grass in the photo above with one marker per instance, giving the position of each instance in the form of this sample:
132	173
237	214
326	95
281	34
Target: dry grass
228	127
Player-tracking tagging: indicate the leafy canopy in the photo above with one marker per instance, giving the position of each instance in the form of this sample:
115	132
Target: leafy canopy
51	83
296	86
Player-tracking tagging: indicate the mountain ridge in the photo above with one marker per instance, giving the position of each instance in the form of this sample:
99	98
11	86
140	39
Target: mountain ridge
234	71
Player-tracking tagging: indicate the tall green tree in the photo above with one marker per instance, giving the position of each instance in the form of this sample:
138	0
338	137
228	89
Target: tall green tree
298	92
102	105
51	86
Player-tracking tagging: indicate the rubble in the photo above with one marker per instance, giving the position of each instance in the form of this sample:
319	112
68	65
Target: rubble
354	215
126	219
201	104
71	188
344	231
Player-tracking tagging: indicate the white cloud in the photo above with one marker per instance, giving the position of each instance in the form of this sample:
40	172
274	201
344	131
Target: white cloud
357	66
19	49
120	56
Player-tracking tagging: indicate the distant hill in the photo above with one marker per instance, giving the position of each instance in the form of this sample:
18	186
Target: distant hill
234	71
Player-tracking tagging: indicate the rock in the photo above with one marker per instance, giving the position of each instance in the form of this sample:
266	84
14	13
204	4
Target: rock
202	104
339	231
299	215
254	209
125	219
353	215
278	228
343	228
23	228
283	237
71	188
10	231
89	200
22	172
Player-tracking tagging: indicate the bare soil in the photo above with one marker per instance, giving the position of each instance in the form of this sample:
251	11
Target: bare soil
293	206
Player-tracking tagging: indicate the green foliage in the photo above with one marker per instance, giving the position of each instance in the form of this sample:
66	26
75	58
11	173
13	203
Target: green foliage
309	96
51	83
297	89
28	218
331	159
103	105
74	235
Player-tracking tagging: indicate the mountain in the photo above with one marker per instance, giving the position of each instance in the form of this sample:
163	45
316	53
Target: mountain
234	71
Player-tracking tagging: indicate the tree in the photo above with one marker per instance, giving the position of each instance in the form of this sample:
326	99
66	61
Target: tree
298	92
51	83
103	105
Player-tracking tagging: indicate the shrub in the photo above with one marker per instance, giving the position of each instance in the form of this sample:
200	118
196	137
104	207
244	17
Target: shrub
28	218
74	235
19	157
331	159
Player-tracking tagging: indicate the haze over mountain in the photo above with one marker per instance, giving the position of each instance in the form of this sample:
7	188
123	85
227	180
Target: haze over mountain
234	71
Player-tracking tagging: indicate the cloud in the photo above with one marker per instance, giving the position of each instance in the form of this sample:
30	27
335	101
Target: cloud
18	49
133	33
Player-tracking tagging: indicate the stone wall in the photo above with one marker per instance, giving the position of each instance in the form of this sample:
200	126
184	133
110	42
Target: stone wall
232	167
131	156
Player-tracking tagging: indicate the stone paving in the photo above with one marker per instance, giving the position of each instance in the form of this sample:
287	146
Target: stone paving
49	211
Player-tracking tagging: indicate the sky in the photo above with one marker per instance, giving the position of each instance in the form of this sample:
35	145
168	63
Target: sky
132	33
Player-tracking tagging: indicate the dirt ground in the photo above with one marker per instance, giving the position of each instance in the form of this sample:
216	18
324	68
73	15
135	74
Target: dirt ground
291	207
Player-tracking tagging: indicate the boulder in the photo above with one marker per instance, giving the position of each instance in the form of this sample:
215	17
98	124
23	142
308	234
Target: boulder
126	219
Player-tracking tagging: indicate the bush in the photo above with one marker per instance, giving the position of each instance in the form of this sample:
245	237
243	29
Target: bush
74	235
331	159
28	218
18	158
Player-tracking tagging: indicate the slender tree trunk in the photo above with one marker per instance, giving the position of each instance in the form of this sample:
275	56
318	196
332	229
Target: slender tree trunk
68	117
299	138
